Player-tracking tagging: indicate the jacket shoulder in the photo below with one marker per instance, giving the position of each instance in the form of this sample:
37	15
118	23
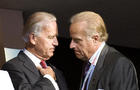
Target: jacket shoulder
14	63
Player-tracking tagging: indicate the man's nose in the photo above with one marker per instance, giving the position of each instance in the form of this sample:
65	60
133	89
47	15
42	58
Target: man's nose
55	41
72	44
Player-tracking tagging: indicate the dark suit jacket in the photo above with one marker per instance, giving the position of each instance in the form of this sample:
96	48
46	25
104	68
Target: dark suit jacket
25	75
113	72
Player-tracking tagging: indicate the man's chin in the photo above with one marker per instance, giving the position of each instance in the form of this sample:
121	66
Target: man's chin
48	56
80	57
51	55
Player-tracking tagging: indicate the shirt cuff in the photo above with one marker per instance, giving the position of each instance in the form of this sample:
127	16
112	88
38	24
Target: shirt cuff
52	80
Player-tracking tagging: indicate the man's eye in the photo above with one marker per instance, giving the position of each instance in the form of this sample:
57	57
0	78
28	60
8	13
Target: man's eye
76	40
51	37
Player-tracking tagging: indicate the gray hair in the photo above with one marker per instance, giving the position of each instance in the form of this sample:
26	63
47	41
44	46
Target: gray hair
94	24
35	22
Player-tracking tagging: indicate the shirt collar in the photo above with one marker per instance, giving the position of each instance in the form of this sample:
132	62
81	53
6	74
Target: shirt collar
34	59
95	56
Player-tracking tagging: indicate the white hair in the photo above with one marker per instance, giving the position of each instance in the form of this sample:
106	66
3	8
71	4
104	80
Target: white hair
35	23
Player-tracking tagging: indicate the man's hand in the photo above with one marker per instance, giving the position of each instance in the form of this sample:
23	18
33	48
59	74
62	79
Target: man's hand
47	70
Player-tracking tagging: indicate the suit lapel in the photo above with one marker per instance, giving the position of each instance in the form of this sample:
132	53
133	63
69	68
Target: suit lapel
59	78
98	69
28	63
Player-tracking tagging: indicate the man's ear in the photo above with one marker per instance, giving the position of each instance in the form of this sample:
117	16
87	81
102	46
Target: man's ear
95	38
32	39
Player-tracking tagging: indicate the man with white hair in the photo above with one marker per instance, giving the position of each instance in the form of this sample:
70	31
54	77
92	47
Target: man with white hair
105	68
28	70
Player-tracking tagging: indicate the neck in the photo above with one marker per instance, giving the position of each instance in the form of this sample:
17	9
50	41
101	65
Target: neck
95	48
31	50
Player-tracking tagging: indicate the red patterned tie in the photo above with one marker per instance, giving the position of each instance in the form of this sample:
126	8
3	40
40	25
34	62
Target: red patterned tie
43	64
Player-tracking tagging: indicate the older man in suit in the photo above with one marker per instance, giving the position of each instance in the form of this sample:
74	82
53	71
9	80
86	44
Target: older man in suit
105	68
28	70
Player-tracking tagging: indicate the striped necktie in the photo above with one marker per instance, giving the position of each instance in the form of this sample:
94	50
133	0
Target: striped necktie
86	83
43	64
87	68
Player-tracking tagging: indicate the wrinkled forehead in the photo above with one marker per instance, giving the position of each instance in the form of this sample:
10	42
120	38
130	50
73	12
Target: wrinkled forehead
49	25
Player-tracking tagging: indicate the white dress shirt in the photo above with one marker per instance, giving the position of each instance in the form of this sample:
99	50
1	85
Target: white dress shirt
96	54
37	61
93	60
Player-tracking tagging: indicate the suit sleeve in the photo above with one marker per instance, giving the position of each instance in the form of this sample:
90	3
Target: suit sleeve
61	80
124	76
21	82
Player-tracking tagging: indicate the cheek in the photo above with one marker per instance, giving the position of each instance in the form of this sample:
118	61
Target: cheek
46	44
86	48
43	46
82	50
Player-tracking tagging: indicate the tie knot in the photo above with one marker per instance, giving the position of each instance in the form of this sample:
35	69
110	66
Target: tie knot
88	64
43	64
87	67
